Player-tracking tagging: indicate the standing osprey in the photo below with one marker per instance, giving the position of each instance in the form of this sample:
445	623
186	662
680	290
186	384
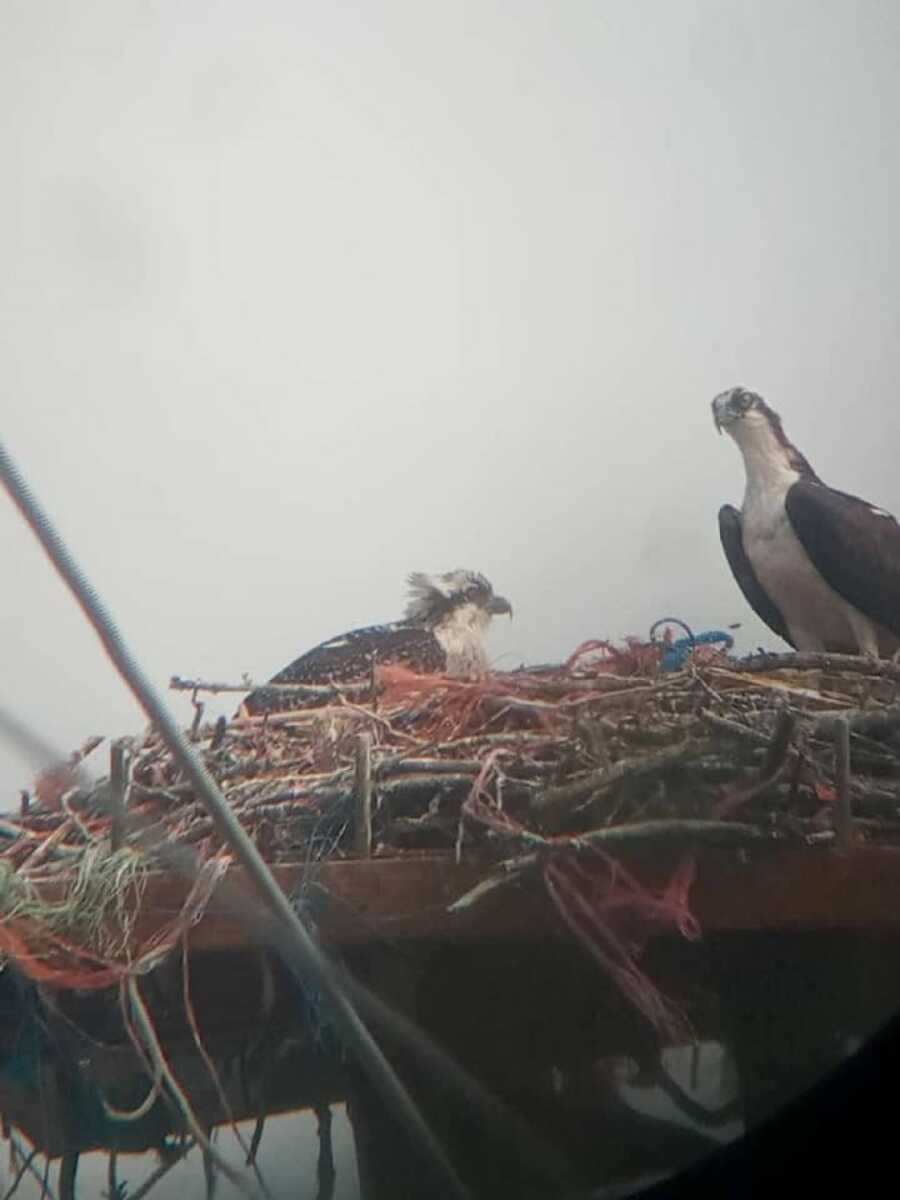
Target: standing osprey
443	631
820	567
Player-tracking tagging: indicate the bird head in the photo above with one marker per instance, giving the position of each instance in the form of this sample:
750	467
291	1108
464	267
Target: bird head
736	405
432	598
758	431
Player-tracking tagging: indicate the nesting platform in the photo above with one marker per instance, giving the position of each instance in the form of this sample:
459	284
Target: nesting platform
545	869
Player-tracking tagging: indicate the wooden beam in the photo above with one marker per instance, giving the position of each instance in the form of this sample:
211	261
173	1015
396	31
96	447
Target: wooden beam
406	897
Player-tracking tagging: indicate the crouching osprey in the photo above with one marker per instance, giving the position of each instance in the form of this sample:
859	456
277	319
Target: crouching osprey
820	567
444	631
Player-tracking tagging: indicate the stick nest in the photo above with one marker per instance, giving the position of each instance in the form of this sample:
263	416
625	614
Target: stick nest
605	741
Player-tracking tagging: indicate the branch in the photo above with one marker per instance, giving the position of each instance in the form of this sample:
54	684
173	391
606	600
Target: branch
843	812
780	744
14	1186
430	766
778	747
599	781
362	797
856	664
860	720
177	684
149	1184
286	691
736	728
674	831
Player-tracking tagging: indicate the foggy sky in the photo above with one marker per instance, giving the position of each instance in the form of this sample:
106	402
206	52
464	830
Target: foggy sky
300	297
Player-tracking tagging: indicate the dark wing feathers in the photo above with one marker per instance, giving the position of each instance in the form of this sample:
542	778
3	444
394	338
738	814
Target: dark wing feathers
854	546
730	531
349	657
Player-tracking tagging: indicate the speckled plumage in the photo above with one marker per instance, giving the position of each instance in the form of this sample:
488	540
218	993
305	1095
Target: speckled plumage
444	630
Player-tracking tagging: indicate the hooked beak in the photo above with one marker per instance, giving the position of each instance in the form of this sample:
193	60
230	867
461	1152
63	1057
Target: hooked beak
720	414
498	606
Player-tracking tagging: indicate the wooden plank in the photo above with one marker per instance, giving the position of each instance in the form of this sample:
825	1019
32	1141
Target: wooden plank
800	890
407	898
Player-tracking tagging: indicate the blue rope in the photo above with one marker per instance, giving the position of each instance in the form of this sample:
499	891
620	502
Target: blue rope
675	654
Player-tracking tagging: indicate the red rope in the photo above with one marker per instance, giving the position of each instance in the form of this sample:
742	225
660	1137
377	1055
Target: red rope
613	916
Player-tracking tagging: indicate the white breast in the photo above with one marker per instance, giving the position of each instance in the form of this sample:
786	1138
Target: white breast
816	615
462	637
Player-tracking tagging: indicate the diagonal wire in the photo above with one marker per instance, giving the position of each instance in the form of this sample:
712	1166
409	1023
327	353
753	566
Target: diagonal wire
308	956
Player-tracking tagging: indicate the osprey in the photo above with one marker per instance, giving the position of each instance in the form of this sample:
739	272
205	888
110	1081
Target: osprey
443	631
820	567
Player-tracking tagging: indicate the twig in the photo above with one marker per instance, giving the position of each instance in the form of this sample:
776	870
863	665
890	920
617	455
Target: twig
177	684
347	706
199	709
737	728
776	754
861	720
431	766
427	823
32	1169
509	872
362	797
622	700
14	1186
117	775
255	1140
722	834
719	834
550	689
301	690
48	846
163	1169
325	1171
596	782
843	813
426	781
855	664
776	759
511	740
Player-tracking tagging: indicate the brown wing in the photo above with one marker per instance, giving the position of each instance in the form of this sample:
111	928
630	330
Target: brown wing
854	546
350	656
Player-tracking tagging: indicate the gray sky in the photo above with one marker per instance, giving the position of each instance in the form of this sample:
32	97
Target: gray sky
299	297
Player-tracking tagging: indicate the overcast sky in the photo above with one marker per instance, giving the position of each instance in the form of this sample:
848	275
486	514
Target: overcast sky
299	297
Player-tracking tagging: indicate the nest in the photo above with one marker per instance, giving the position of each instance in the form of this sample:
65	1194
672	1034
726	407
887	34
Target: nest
554	768
607	740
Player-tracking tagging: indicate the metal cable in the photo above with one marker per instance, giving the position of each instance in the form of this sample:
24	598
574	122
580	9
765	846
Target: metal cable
311	960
